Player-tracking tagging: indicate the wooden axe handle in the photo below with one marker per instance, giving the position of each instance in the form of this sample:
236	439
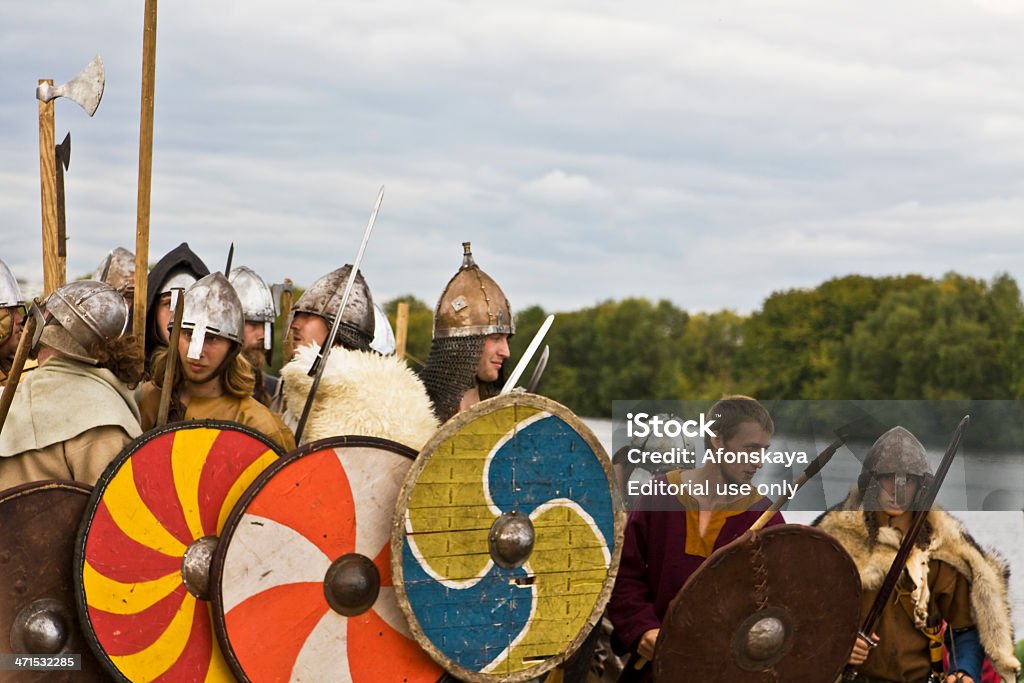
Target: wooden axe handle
20	356
48	195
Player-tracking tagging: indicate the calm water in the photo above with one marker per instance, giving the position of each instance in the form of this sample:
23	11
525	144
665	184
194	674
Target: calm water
964	489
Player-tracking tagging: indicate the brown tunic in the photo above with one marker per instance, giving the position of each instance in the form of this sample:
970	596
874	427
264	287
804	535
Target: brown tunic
82	458
246	411
902	652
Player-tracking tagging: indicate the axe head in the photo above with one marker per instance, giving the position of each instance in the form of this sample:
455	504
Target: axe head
86	88
64	151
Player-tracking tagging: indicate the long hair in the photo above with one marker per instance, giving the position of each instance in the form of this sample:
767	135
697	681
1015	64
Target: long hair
124	358
236	374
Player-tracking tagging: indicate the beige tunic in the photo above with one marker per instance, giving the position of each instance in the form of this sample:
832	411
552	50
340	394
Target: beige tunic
82	458
245	411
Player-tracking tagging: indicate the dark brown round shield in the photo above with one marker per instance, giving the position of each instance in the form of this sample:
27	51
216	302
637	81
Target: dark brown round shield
782	604
307	551
507	537
38	525
142	561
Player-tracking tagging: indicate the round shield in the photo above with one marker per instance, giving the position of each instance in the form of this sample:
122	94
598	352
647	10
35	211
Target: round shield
38	523
142	562
755	608
306	553
506	539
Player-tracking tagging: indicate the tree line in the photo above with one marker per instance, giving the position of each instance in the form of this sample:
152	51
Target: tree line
852	337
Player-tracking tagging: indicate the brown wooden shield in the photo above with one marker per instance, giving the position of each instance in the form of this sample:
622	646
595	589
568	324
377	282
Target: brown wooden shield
38	526
782	604
506	539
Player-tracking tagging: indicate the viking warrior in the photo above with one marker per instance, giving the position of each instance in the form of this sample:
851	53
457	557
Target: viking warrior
361	392
948	579
178	269
212	379
472	325
76	411
669	536
12	315
117	269
260	312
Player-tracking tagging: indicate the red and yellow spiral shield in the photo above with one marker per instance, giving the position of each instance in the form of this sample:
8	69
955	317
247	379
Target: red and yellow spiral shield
168	489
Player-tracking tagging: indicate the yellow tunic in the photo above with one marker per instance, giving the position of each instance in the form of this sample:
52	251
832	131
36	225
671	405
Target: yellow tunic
246	411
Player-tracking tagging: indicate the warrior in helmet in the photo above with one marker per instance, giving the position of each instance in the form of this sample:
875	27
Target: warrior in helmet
178	269
212	379
260	311
76	411
948	578
362	391
12	315
668	537
472	325
117	269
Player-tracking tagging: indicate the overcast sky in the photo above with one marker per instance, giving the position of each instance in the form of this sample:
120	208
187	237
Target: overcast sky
705	153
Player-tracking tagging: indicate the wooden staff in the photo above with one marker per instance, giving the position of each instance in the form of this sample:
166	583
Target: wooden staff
401	328
145	171
48	194
172	360
20	356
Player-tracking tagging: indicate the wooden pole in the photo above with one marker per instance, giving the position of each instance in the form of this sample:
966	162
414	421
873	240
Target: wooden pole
145	171
401	328
172	360
48	195
20	356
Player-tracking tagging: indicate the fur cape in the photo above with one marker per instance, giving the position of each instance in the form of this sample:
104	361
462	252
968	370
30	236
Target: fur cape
361	393
986	571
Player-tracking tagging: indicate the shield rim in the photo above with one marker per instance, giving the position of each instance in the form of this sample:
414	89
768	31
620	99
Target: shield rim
90	513
778	529
238	511
446	431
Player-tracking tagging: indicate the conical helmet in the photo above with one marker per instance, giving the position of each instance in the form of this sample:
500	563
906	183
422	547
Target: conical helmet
212	307
472	304
10	292
88	315
117	269
898	453
323	297
257	300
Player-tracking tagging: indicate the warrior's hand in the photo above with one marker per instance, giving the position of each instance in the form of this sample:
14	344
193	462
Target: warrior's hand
861	649
646	646
959	677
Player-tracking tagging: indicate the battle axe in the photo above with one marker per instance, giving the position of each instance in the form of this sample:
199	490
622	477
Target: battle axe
87	90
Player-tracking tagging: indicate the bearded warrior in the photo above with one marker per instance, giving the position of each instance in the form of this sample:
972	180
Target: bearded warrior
259	311
362	392
472	325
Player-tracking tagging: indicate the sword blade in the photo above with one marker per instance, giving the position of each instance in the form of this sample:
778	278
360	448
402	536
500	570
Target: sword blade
527	355
317	369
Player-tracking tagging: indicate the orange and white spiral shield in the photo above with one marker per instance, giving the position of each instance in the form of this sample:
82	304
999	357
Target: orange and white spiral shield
167	493
329	500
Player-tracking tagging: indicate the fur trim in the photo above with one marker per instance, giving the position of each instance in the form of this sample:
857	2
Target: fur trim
987	572
361	393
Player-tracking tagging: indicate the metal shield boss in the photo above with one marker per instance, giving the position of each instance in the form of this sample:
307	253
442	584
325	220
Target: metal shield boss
507	537
307	552
38	524
142	562
782	604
